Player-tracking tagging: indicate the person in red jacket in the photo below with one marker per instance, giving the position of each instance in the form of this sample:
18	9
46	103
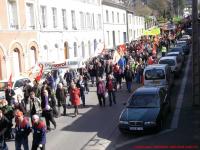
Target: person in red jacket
75	98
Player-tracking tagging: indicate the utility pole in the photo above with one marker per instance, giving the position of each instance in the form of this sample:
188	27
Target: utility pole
195	55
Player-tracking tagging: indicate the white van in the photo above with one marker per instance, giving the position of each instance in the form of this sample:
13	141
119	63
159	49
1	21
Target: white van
17	86
158	75
173	62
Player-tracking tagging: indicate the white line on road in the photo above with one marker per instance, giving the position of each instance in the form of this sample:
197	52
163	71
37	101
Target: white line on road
175	119
142	138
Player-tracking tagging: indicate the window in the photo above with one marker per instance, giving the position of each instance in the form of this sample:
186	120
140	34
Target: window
108	37
95	44
88	24
124	18
89	48
75	49
144	100
54	14
12	11
83	49
154	74
30	16
119	36
107	16
93	25
73	20
113	17
44	16
99	21
64	18
82	20
117	17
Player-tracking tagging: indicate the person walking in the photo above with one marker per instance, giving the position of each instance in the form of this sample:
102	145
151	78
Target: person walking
34	104
22	131
4	125
9	93
75	98
39	134
47	111
128	74
111	87
101	90
81	84
61	95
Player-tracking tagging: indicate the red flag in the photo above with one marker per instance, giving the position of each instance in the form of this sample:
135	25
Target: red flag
10	81
39	76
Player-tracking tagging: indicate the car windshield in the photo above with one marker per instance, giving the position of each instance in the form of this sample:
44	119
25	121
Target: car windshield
154	74
144	101
3	86
175	50
172	54
170	62
181	44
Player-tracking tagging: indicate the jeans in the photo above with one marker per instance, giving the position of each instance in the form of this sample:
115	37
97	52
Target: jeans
35	147
49	117
100	98
111	95
3	145
20	142
129	85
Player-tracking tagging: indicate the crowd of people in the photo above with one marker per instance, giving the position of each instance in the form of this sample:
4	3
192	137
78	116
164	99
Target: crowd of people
46	100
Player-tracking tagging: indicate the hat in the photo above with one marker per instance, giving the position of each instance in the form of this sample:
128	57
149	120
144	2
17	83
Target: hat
19	114
35	117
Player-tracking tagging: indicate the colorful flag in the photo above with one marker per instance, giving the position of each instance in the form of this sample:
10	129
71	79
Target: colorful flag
116	57
39	75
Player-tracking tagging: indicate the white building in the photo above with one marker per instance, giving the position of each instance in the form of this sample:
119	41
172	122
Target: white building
69	28
115	24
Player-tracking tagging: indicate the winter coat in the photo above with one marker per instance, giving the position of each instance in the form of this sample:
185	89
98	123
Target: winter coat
61	95
75	96
37	104
101	88
22	130
39	133
128	74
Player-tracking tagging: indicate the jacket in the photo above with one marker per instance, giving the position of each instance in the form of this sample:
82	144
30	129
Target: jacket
75	96
39	133
102	89
22	130
61	95
51	101
37	104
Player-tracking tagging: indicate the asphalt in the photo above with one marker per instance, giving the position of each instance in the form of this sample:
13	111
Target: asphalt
185	136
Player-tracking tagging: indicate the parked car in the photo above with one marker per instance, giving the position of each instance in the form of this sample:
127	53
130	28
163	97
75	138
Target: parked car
178	55
146	109
158	75
184	45
17	86
174	63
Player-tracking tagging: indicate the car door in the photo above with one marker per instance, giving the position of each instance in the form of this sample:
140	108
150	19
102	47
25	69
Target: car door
164	102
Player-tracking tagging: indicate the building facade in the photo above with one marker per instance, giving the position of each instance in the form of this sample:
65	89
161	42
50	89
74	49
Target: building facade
33	31
136	26
115	24
18	39
68	31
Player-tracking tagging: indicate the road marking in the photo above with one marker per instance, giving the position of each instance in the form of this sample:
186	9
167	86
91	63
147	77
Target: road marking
175	119
141	139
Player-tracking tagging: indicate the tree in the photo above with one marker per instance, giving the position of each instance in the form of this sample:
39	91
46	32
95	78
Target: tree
141	9
178	5
161	6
